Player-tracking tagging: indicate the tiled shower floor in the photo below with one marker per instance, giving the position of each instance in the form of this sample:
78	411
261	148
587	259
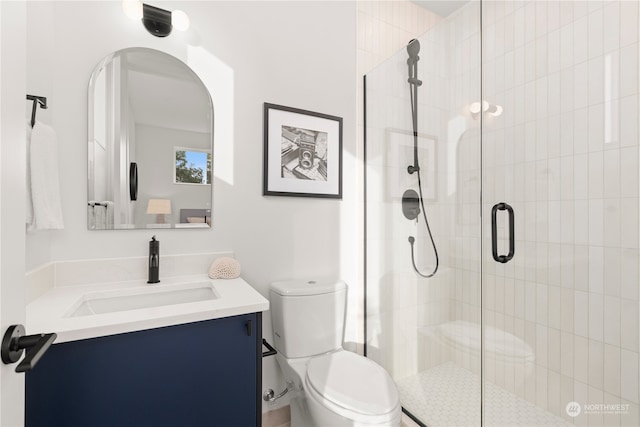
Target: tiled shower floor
448	396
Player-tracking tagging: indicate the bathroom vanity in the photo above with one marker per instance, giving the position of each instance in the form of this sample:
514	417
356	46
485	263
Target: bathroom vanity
196	374
184	364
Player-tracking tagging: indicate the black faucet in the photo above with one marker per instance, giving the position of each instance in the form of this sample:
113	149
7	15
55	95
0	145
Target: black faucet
154	261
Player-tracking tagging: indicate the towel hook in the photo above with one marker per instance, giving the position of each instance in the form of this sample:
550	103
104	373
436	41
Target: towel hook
37	100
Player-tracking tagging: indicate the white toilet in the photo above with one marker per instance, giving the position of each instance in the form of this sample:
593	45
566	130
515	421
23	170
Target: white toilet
337	387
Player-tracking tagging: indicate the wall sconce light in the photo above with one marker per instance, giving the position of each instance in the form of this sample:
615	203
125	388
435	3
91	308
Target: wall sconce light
476	107
158	22
159	207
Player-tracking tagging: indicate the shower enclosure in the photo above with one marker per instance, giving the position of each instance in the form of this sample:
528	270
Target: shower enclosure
527	140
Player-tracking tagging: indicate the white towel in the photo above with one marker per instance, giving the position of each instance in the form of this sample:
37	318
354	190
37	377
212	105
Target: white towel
45	187
100	213
91	216
109	215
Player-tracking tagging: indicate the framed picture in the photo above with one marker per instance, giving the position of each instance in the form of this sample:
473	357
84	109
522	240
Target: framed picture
400	155
302	153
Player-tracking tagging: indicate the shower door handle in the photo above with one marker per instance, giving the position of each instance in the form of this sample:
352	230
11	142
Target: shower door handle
494	232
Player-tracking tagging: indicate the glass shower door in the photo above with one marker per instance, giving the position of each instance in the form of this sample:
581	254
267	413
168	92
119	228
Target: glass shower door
560	146
426	330
527	142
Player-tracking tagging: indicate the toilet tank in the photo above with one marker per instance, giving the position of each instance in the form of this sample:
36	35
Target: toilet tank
308	316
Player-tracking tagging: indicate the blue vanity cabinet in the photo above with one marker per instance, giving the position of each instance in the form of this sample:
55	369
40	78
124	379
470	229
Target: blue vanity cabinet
197	374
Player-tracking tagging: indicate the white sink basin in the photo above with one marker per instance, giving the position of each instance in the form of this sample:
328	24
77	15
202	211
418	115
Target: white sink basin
146	297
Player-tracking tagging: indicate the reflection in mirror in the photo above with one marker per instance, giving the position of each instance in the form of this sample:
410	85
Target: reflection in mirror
192	166
149	113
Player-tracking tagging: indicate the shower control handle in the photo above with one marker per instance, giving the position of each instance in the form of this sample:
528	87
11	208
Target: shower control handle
494	232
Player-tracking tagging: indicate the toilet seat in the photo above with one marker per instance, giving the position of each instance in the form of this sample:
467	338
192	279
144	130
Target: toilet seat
353	387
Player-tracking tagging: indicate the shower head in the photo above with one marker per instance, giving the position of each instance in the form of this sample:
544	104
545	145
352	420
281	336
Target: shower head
413	48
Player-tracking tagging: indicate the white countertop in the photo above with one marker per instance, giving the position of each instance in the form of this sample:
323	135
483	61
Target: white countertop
49	312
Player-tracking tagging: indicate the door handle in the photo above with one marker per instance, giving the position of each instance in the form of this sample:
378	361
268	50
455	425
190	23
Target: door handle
494	233
133	181
15	342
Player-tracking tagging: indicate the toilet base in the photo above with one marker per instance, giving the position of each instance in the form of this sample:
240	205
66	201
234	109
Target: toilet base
300	416
307	413
304	416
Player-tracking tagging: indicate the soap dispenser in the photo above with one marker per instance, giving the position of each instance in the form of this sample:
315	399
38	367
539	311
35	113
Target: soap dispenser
154	261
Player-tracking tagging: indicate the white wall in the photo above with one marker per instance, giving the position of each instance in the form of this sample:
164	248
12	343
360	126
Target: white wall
299	54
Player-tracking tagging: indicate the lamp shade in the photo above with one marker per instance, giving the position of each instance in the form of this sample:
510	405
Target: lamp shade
159	206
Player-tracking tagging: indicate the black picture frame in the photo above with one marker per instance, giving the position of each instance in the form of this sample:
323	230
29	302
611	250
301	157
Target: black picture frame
302	154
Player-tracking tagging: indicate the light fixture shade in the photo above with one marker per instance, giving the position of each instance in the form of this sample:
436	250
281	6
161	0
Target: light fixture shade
132	8
180	20
496	110
159	206
475	107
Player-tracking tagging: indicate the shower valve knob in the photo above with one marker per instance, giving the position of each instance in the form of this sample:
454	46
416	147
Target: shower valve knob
411	169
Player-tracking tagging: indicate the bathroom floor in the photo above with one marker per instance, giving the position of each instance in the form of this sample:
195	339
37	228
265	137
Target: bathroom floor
449	395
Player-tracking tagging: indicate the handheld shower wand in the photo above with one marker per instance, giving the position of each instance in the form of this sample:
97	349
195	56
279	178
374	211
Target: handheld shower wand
413	48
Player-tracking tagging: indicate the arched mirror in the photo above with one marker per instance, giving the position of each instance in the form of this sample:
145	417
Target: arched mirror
150	143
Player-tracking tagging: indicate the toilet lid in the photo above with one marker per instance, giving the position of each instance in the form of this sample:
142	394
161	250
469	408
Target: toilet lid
353	382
